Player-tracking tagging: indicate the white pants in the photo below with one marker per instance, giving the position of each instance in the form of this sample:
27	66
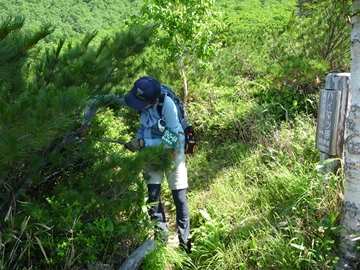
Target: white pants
177	179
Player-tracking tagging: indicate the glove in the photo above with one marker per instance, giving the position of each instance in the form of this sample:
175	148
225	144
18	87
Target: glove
135	144
82	130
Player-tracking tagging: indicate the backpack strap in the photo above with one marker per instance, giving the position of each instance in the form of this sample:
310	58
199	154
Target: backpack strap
161	103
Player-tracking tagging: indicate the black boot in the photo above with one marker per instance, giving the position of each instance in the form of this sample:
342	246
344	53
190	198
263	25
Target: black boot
186	246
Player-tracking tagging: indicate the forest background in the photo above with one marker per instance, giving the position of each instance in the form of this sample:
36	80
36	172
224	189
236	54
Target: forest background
253	71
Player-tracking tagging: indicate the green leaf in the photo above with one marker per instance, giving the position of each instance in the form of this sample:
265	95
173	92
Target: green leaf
110	224
253	244
205	214
301	247
336	229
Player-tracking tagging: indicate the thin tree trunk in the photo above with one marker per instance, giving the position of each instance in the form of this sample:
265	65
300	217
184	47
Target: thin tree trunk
300	11
182	68
350	218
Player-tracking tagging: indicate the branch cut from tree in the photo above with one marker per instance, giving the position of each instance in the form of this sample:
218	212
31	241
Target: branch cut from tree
135	259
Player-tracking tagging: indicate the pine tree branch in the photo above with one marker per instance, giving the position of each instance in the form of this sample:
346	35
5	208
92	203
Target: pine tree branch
104	140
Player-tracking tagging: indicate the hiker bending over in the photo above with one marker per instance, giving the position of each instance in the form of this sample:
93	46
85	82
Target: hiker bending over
157	129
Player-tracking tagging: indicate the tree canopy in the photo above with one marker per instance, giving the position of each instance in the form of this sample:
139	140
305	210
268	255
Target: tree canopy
71	19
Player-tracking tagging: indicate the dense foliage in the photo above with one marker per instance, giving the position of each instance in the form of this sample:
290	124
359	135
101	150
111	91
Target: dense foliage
71	19
49	176
70	200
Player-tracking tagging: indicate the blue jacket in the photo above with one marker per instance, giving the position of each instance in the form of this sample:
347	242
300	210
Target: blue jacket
149	129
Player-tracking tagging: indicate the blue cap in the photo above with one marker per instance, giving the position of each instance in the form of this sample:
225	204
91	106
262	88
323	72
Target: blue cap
145	90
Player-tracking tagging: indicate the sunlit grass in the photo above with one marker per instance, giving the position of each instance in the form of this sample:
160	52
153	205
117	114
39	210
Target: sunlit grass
262	206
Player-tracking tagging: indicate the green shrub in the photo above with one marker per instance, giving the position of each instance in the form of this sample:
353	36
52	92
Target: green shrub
311	47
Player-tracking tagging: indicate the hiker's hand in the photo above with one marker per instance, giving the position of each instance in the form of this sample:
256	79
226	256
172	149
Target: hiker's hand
82	130
135	144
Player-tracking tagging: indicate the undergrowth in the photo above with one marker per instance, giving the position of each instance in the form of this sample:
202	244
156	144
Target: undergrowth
268	202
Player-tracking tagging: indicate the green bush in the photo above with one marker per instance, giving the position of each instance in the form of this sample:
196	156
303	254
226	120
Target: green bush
311	47
67	200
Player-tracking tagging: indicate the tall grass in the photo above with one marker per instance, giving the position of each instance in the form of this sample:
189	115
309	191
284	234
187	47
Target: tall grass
267	207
